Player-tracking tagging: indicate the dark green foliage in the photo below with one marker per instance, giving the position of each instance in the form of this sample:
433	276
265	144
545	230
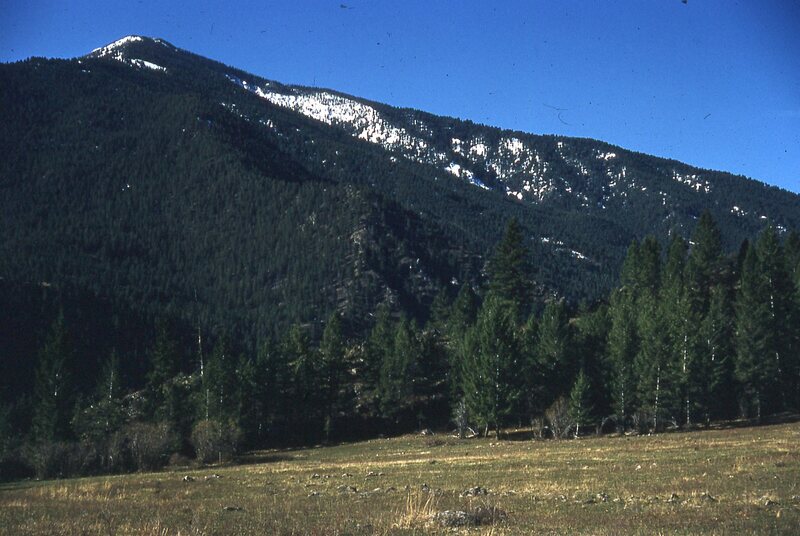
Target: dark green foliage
129	196
490	374
53	390
554	351
509	269
332	350
580	405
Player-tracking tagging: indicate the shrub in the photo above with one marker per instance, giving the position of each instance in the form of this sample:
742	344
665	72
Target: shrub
149	444
558	417
215	441
54	459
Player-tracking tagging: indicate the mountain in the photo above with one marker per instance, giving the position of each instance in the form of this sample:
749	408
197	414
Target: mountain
172	184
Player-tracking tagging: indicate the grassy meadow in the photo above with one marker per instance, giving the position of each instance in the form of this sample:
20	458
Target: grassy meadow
729	481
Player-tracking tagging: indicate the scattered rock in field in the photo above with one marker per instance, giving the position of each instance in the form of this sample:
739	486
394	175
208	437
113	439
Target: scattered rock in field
233	508
373	473
780	464
766	501
489	515
347	489
315	475
477	491
390	489
425	488
602	497
454	518
590	500
432	462
213	476
426	432
189	478
346	475
638	467
314	493
796	498
674	498
480	516
706	496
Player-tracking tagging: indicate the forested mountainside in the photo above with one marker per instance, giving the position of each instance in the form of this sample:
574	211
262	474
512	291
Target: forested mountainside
190	251
174	184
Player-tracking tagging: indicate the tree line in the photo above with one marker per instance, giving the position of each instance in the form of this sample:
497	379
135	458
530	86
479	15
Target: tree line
691	335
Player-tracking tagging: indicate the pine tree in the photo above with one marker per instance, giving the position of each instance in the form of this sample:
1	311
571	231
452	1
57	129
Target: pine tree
591	341
379	344
703	273
755	366
653	361
623	345
719	331
305	372
463	314
553	350
580	404
332	351
165	364
509	269
398	371
53	396
219	383
777	290
490	375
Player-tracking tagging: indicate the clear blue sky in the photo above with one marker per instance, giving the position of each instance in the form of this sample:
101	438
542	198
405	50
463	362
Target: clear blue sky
714	83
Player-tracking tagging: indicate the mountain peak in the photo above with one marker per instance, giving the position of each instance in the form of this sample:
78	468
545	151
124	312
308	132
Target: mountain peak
115	48
120	50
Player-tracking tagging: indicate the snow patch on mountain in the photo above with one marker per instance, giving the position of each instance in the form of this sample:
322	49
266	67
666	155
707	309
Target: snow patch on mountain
112	48
692	181
146	64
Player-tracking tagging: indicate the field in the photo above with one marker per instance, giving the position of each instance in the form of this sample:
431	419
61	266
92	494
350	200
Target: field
730	481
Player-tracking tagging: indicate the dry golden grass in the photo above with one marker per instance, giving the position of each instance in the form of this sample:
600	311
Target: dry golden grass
736	481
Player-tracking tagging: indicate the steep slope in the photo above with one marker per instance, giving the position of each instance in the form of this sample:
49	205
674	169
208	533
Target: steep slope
173	183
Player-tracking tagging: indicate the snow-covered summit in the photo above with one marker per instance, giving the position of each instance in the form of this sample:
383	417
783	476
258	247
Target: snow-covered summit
118	50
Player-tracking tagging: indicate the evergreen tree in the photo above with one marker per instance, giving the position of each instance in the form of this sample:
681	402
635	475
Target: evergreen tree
248	411
509	268
591	343
652	362
719	332
332	350
490	376
623	342
165	364
219	384
462	316
553	350
379	344
53	396
305	369
580	403
270	399
398	371
777	290
755	366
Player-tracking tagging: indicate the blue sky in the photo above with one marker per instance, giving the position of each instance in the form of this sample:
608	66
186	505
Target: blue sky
714	83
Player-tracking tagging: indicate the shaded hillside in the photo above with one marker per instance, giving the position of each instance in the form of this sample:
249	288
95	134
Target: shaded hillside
177	185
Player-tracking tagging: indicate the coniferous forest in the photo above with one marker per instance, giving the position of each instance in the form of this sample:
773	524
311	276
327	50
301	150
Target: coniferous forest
690	335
